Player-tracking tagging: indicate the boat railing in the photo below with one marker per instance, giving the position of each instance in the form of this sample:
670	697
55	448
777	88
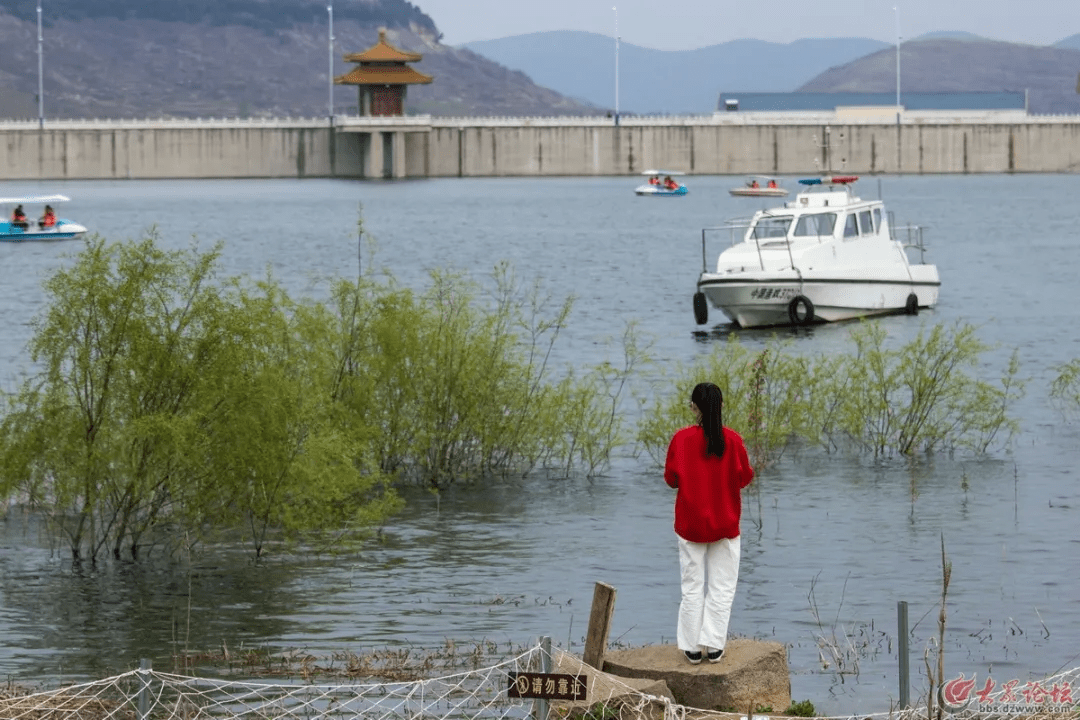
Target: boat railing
736	231
909	236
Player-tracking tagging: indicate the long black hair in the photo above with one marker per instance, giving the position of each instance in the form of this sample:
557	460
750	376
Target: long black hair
710	401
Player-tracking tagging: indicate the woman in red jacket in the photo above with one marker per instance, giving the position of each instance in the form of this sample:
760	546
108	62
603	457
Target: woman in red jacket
708	465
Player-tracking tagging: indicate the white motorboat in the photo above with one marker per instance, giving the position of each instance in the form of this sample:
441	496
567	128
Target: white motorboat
825	256
19	228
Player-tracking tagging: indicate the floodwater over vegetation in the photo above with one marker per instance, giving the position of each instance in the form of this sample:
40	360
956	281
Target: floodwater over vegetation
834	533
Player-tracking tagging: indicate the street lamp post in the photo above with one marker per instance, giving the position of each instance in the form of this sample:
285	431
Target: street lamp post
899	154
897	11
330	72
40	71
616	64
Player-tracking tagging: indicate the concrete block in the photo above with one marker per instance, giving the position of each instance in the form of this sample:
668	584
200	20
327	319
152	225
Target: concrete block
752	674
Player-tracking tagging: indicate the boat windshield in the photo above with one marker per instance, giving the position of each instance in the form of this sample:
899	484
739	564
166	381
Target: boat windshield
771	227
815	225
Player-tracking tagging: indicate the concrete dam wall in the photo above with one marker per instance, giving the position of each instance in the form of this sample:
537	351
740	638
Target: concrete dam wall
419	146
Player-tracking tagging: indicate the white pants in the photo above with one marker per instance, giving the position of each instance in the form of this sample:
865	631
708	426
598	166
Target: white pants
704	616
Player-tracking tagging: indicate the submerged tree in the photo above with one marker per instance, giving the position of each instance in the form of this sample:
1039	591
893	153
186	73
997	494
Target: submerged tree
174	406
171	405
922	396
445	386
770	398
1065	387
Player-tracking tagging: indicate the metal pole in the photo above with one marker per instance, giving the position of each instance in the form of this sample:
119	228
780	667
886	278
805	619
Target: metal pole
899	155
902	644
40	71
897	11
330	73
144	689
616	64
541	705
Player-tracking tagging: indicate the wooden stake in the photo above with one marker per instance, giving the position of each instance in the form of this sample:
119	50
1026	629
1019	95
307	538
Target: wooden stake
603	606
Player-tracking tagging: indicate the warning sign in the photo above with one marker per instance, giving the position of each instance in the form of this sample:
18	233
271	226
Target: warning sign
547	686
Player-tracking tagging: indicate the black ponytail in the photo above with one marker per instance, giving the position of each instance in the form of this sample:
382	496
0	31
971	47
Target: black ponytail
710	401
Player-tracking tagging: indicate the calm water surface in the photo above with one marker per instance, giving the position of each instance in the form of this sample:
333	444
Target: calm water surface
830	544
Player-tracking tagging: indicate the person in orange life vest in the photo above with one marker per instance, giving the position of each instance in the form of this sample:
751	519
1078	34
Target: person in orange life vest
670	184
754	184
47	220
18	218
772	183
708	466
654	180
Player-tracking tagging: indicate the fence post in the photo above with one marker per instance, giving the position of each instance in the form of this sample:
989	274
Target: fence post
144	689
540	706
902	646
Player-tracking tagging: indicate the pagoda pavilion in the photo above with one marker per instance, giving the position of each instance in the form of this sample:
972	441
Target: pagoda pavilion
382	75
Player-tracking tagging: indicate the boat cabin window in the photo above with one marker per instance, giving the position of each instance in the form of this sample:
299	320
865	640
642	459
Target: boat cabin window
866	225
815	225
851	229
771	227
877	219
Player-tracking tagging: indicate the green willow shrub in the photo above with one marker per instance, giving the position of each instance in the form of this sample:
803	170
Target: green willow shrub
783	401
170	405
462	387
591	414
1065	387
449	385
767	399
173	407
921	396
98	434
282	464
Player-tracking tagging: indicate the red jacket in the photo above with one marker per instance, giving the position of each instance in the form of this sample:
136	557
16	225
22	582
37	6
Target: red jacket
708	504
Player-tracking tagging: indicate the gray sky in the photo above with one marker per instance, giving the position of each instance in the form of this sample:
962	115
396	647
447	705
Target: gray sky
686	24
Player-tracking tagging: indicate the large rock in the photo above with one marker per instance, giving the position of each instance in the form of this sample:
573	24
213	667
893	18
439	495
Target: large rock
615	693
752	675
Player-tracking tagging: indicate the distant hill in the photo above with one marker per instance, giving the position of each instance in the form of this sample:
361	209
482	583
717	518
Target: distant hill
582	65
229	58
1049	74
263	15
1070	43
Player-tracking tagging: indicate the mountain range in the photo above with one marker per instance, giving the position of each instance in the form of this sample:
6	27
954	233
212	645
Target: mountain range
1048	74
237	58
269	58
582	65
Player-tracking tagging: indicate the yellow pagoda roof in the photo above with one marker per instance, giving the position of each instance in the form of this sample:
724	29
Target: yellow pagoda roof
383	51
382	75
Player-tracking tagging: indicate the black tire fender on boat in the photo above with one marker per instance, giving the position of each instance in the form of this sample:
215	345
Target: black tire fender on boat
701	308
911	307
805	316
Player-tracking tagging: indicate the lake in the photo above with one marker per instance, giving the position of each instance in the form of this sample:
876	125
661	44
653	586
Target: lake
830	543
